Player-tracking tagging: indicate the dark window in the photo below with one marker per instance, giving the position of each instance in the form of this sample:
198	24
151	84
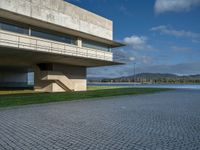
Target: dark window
95	45
13	28
53	36
38	33
45	67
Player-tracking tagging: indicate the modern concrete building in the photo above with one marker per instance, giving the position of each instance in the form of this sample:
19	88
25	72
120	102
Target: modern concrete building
56	39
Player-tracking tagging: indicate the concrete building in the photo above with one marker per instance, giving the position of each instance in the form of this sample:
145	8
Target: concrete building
56	39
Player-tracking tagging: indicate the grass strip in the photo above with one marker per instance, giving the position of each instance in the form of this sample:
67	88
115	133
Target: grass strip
39	98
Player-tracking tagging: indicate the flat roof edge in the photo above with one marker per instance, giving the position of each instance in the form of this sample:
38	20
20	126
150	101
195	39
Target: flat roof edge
4	14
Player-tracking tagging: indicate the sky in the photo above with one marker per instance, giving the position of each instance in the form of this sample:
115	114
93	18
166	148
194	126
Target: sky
162	36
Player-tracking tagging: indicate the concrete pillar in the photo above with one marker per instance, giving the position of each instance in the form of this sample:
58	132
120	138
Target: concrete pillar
39	84
60	78
79	42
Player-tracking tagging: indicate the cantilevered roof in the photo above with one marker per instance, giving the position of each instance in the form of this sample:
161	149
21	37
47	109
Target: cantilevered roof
22	57
42	24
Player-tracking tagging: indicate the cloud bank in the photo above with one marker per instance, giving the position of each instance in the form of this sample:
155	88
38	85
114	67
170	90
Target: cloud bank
162	6
177	33
138	42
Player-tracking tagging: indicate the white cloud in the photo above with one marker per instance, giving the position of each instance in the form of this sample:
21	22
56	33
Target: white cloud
132	58
162	6
177	33
136	42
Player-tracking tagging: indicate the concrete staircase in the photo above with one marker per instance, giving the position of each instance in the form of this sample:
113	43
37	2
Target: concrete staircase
59	78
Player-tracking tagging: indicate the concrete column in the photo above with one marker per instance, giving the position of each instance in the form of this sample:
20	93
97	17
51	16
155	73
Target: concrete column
79	42
39	84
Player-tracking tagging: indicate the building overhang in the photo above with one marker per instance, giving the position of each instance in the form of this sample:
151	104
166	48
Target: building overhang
43	24
21	57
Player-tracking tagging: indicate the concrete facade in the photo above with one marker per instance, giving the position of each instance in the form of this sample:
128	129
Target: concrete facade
66	62
61	13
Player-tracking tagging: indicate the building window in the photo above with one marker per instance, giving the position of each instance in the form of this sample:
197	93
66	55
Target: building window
95	45
41	33
54	36
13	28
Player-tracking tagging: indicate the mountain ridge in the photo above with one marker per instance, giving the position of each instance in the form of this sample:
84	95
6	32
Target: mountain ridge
152	78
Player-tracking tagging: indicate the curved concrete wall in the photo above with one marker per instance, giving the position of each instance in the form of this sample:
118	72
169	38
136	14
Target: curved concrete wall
61	13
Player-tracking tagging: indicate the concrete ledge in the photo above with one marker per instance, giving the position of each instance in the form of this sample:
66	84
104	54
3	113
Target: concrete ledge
8	39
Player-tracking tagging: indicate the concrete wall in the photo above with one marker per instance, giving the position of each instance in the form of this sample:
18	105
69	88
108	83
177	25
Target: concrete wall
63	14
39	84
72	77
76	74
72	72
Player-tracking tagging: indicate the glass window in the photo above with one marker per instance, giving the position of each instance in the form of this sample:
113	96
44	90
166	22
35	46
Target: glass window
13	28
95	45
54	36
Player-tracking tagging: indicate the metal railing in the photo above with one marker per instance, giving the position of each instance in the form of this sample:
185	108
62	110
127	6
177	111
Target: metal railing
32	43
118	57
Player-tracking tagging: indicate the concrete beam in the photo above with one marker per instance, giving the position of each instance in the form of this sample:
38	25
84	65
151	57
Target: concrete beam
21	57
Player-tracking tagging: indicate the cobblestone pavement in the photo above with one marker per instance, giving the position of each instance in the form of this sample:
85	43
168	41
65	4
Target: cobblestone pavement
161	121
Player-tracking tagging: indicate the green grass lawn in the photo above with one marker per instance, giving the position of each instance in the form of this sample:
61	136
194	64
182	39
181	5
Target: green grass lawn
90	88
29	97
12	92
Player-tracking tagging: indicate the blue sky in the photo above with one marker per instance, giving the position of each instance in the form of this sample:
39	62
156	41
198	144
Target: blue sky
162	36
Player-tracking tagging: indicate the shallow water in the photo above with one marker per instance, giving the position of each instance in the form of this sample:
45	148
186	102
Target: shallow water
174	86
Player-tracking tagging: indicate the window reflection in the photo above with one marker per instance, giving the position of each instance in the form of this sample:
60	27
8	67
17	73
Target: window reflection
38	33
51	35
14	28
54	36
95	45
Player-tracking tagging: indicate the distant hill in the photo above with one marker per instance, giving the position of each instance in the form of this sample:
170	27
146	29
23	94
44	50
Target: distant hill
153	78
154	75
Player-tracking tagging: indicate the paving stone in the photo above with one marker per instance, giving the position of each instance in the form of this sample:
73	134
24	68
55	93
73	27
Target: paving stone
161	121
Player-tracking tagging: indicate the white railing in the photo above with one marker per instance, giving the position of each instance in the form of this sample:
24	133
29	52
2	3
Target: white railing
15	40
